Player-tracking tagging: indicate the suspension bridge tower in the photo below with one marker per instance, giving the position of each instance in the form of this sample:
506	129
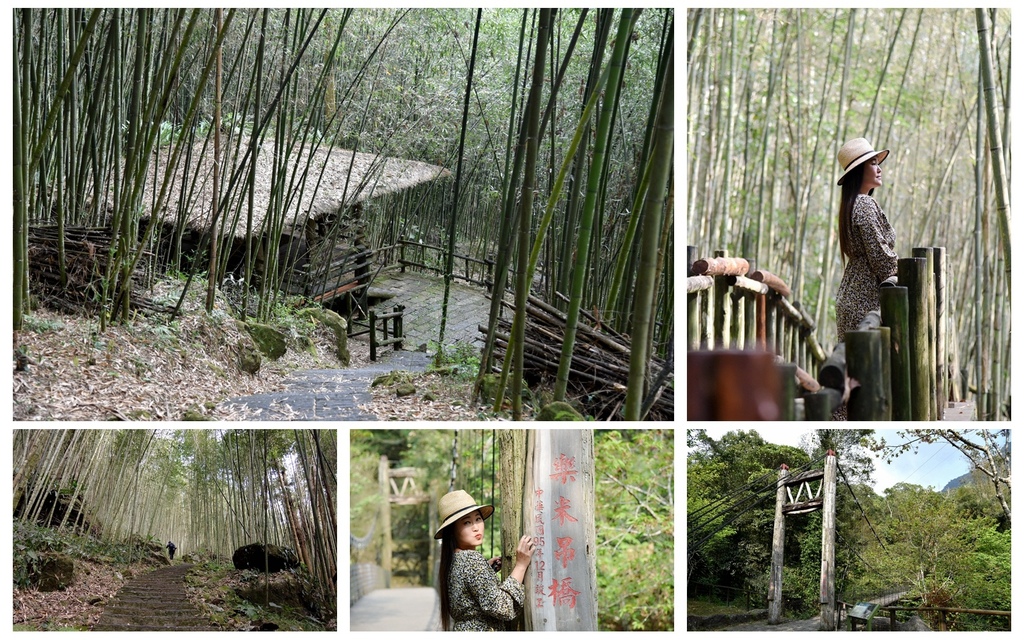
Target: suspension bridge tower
808	499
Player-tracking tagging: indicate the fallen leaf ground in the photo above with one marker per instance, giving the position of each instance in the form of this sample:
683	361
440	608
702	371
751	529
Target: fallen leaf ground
156	369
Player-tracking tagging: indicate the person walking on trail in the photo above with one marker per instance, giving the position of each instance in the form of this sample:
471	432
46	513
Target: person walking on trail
171	549
866	239
472	597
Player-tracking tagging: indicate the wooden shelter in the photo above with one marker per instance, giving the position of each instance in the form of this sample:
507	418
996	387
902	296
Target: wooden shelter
306	204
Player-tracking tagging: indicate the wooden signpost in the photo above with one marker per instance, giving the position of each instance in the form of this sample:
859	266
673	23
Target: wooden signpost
558	508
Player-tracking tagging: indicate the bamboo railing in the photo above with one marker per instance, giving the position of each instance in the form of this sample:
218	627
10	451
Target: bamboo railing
890	368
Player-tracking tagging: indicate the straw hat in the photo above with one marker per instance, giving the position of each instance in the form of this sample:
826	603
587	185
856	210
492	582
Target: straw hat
855	153
456	504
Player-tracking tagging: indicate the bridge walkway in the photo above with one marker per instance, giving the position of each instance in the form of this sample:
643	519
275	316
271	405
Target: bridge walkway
399	609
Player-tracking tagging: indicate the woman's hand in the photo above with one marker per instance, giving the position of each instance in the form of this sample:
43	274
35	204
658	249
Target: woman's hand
524	553
495	564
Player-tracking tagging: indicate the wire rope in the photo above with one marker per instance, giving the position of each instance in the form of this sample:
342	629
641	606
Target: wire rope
866	519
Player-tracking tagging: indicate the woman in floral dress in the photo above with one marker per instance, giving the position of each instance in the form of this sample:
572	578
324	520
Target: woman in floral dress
866	238
472	597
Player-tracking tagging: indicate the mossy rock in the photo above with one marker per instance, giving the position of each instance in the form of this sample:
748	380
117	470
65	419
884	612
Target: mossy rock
193	414
306	344
337	324
55	572
489	388
390	378
558	412
249	358
271	342
405	389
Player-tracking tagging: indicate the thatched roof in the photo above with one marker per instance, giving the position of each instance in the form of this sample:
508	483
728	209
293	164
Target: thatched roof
347	178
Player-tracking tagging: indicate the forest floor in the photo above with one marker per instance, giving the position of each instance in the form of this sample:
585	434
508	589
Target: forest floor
155	369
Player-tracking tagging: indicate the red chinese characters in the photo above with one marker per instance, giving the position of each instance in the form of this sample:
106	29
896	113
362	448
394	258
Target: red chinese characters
565	553
563	593
565	468
562	511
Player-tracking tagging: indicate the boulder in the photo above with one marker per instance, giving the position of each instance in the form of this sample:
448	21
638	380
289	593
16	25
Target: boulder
249	358
277	558
405	389
271	342
337	324
55	572
558	411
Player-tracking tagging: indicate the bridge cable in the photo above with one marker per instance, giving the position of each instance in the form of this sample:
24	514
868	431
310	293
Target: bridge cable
699	522
763	482
847	483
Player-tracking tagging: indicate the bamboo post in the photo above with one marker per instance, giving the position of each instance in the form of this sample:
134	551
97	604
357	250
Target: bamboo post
942	371
787	398
692	304
751	304
864	364
820	404
770	337
720	288
910	271
827	597
929	290
778	546
735	297
895	311
885	335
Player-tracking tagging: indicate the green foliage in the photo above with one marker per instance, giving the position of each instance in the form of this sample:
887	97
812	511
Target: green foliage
460	359
635	529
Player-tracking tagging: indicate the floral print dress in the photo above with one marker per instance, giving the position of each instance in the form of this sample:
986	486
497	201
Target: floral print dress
478	601
873	260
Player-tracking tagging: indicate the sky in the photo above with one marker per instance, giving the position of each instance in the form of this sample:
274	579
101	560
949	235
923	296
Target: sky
933	465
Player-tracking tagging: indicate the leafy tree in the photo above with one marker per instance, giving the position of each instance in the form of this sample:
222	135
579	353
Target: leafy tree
634	519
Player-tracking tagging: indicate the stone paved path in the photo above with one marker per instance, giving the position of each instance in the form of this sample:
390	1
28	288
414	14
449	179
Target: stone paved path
155	601
335	394
422	295
326	394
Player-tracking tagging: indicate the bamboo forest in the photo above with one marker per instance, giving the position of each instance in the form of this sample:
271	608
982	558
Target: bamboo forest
254	214
882	296
175	530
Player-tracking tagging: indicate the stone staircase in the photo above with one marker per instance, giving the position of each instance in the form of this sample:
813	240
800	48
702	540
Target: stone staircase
155	601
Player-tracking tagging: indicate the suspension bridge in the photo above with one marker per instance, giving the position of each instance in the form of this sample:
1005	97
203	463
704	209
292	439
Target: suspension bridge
754	352
807	488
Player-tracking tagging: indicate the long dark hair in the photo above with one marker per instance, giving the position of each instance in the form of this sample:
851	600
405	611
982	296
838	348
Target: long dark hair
448	547
851	189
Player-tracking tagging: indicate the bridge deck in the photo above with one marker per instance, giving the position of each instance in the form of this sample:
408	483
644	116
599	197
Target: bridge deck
408	609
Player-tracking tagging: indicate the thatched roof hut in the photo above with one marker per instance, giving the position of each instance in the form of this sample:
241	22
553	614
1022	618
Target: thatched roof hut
322	249
323	181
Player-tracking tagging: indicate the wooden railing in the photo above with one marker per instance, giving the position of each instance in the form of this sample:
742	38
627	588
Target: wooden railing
740	322
476	271
743	333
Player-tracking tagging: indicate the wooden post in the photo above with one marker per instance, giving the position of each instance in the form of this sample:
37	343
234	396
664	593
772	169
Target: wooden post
942	371
787	399
828	545
385	519
778	545
692	305
561	583
751	304
910	271
935	412
769	322
719	290
373	335
895	303
514	456
885	336
864	364
736	297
